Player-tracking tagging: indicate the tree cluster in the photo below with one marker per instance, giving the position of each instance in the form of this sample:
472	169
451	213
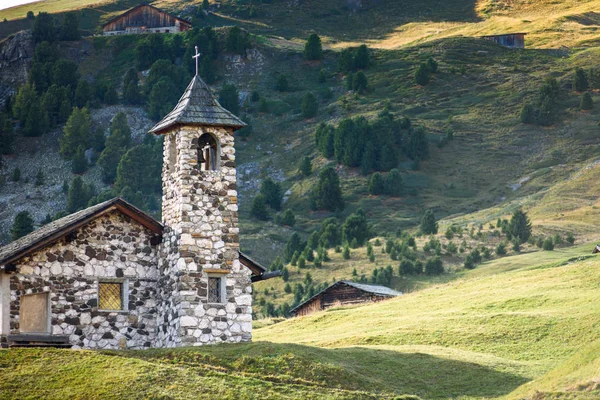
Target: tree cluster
353	59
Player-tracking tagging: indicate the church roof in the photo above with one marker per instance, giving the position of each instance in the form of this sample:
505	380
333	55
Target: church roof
56	230
198	106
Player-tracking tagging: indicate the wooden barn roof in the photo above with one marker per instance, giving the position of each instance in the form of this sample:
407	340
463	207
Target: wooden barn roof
373	289
198	106
141	6
54	231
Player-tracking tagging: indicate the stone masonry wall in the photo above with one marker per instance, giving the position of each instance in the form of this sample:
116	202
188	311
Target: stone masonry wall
110	247
200	215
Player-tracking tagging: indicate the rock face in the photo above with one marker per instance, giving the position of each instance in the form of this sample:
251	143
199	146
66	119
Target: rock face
16	55
201	242
112	249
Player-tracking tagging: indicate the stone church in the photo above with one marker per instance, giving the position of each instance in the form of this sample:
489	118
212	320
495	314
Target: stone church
112	277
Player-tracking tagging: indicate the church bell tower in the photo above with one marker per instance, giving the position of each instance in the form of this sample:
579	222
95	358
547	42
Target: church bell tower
204	291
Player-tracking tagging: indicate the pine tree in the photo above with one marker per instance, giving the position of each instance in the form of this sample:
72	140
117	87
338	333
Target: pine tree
117	143
324	137
282	83
39	178
229	98
310	106
394	185
259	207
346	254
79	195
305	167
36	123
43	28
432	65
207	70
527	114
355	230
16	175
359	82
110	95
83	93
70	27
429	225
313	49
140	170
22	225
586	102
376	184
327	195
520	226
272	192
422	75
79	162
361	57
346	61
418	144
580	81
77	133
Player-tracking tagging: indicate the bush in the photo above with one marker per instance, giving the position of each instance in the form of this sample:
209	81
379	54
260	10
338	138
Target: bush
407	267
376	184
305	166
580	81
16	175
282	83
287	218
422	75
586	102
434	266
469	263
39	178
501	249
310	106
570	238
527	114
432	65
548	244
346	252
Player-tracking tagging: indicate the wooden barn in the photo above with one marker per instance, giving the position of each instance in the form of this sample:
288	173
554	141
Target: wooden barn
344	293
512	40
145	19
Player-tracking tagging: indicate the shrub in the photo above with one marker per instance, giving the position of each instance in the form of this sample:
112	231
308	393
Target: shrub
434	266
548	244
376	184
309	106
39	178
346	252
501	249
422	75
287	218
305	166
570	238
586	102
282	83
301	262
527	114
432	65
469	263
580	81
16	175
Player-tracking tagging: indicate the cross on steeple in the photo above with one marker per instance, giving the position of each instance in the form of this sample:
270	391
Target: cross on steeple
197	56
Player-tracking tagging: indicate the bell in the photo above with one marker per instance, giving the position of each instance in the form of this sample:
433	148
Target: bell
201	159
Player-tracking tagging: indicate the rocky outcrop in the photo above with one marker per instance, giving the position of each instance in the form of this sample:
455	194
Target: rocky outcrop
16	54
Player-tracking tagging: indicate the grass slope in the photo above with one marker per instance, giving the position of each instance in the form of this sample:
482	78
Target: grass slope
524	322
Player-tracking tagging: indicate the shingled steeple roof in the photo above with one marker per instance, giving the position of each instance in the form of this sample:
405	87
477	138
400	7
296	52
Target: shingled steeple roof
198	106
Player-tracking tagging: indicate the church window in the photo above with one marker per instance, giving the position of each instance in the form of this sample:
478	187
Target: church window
215	289
208	153
111	295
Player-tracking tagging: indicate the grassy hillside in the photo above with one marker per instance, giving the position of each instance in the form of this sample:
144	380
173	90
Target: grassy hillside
516	329
524	322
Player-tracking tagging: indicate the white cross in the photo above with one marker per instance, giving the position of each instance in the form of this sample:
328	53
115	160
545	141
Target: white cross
197	56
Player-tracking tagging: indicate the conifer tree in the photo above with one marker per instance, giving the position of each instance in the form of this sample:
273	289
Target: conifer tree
83	93
520	226
422	75
39	178
22	225
282	83
376	184
313	50
394	185
79	162
140	170
346	61
79	195
429	225
324	137
272	192
70	27
259	207
36	123
580	81
527	114
586	102
368	160
359	82
310	105
229	98
117	143
361	57
305	167
418	144
355	229
77	133
327	195
432	65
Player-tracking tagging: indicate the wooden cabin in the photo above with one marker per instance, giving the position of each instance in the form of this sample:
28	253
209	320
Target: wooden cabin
344	293
145	19
512	40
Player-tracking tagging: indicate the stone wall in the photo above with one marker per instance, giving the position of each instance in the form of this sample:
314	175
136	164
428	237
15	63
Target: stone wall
111	247
201	237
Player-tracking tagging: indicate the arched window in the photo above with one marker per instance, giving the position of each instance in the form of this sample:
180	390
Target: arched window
208	153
